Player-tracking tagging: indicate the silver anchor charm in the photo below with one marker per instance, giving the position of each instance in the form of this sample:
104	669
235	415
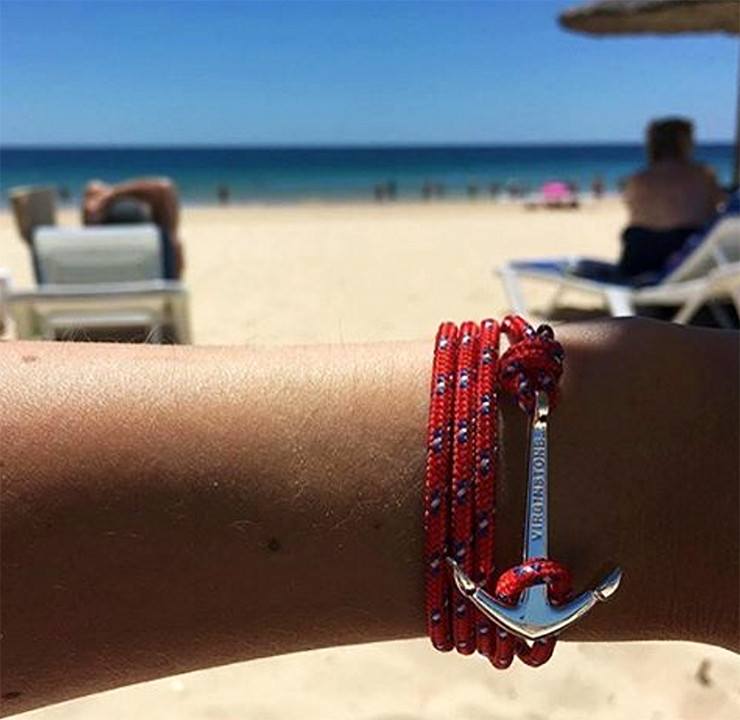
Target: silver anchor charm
533	617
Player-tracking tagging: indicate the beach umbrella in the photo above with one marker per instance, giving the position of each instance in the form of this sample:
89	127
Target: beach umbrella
661	17
621	17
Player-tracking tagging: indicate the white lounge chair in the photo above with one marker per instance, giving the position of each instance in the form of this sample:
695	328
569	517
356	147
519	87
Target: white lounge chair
101	283
710	272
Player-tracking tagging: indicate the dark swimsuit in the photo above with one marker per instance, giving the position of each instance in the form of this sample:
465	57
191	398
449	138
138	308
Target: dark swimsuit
647	251
644	259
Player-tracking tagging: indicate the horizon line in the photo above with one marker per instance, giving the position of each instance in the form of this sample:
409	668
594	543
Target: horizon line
338	146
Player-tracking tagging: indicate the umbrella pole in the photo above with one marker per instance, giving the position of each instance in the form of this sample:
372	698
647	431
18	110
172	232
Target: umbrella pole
736	170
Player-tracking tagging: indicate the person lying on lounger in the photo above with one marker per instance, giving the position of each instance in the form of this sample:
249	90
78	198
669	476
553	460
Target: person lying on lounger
143	200
668	201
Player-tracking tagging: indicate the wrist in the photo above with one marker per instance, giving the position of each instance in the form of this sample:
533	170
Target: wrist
641	450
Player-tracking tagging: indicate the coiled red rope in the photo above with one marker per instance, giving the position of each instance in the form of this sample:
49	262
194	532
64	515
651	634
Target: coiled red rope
460	484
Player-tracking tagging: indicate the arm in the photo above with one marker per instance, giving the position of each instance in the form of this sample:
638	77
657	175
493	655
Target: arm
161	196
166	509
628	195
158	193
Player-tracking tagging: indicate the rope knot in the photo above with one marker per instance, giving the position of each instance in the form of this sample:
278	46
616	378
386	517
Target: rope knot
533	363
509	587
515	580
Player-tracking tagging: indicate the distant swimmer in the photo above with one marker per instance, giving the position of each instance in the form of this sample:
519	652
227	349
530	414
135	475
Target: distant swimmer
223	192
387	190
598	187
515	190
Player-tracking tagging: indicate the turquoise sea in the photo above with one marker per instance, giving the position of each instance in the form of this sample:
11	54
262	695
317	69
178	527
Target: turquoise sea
276	174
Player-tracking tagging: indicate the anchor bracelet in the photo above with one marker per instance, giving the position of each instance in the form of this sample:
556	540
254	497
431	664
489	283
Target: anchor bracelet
465	609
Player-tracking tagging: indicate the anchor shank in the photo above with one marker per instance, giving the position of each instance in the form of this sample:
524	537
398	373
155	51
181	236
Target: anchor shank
535	526
533	617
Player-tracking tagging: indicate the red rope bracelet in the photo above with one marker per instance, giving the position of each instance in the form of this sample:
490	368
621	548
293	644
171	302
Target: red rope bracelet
460	485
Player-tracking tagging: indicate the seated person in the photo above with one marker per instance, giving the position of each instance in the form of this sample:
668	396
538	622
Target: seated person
668	201
146	200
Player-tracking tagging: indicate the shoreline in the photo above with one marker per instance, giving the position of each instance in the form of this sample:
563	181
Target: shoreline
454	199
338	174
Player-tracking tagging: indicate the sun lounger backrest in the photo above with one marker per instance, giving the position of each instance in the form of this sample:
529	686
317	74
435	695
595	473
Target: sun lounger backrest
4	292
33	207
720	246
98	254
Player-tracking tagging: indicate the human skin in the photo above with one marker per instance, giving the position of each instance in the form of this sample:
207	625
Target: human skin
673	194
166	508
158	193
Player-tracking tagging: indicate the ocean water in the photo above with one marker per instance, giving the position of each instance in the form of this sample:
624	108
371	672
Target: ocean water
290	174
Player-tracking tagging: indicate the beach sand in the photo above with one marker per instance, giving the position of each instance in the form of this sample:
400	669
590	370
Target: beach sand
315	273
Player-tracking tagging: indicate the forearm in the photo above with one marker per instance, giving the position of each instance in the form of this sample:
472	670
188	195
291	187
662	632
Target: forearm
165	509
159	194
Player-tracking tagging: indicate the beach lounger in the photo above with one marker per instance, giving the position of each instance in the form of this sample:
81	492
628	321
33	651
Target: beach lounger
4	291
33	207
709	272
102	283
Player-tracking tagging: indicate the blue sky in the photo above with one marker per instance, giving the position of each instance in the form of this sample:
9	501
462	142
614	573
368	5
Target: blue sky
215	72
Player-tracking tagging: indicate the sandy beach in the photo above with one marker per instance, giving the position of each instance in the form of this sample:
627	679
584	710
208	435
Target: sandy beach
345	273
328	273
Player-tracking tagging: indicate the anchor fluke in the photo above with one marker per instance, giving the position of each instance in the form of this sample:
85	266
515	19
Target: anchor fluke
533	617
464	584
608	586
